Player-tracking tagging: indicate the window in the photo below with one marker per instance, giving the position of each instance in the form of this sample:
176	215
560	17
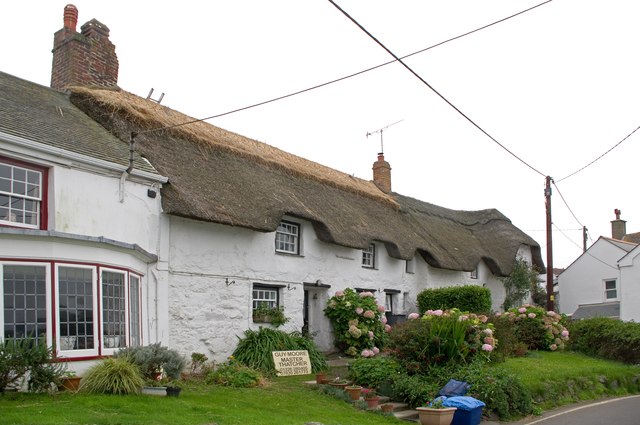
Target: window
76	324
610	290
410	266
21	195
388	302
369	257
265	297
474	273
288	238
94	311
24	300
113	310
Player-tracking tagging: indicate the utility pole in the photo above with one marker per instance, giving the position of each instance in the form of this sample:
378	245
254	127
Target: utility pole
550	297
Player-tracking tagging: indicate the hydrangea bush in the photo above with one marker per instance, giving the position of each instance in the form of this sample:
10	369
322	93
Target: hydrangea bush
539	329
359	323
442	337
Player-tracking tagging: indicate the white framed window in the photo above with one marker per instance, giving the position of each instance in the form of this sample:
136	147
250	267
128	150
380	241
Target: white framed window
610	290
24	302
369	257
22	194
84	309
265	297
388	302
288	238
114	299
77	325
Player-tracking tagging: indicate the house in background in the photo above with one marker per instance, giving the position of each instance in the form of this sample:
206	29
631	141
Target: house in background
605	280
115	233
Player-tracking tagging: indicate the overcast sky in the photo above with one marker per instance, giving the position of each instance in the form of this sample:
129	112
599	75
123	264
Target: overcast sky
557	86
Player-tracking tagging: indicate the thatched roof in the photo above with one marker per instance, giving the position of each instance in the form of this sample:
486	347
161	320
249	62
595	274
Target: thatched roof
222	177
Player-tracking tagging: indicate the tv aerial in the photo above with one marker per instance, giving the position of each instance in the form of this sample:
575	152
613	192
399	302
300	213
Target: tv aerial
381	130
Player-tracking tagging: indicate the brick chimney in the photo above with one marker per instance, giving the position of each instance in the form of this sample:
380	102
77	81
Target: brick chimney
87	58
382	174
618	226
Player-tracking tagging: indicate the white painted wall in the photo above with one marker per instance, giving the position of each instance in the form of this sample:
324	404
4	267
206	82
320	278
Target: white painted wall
583	281
630	286
206	315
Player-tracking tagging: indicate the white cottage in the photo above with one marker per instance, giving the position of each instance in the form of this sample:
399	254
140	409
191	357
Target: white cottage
179	241
605	280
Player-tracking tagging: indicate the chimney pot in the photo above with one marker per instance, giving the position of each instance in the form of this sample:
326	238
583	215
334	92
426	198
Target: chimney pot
618	226
70	17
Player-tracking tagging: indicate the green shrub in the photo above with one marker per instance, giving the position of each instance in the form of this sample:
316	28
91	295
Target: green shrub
112	376
254	350
505	332
371	372
358	322
234	374
154	358
32	357
471	298
607	338
414	390
522	281
440	338
537	328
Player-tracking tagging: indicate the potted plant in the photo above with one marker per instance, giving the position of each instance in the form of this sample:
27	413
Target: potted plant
372	398
70	381
157	387
353	391
435	413
321	377
339	382
173	388
386	408
273	315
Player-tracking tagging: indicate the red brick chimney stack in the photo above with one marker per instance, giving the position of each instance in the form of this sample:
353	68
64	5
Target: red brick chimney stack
87	58
382	174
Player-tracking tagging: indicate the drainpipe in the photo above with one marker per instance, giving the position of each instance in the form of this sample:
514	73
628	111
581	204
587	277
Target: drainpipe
126	172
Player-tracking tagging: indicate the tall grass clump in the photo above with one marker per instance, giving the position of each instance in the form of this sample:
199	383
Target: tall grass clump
112	376
254	350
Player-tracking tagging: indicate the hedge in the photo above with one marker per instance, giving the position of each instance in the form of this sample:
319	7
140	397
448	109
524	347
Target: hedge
471	298
606	338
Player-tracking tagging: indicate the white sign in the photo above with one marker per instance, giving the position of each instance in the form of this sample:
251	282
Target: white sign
289	363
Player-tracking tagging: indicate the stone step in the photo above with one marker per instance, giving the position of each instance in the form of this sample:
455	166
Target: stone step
410	415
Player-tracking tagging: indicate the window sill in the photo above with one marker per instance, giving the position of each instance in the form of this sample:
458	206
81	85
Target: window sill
289	254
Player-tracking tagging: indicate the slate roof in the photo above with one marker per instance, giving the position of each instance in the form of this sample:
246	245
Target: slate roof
222	177
46	116
586	311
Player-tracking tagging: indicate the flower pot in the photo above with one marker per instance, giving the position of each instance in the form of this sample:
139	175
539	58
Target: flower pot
372	402
320	377
386	408
173	391
354	392
71	383
157	391
338	385
430	416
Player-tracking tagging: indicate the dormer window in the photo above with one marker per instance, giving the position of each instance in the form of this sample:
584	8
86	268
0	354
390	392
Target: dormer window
22	196
369	257
288	238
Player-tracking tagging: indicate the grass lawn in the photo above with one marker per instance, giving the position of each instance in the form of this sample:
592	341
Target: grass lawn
560	378
285	401
553	379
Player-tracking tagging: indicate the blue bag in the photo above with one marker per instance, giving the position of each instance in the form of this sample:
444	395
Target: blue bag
454	388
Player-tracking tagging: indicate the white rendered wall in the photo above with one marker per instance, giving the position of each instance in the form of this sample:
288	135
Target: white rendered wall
583	281
206	315
630	286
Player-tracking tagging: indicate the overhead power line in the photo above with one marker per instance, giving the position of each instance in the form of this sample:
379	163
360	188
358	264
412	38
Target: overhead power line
600	157
398	59
565	203
355	74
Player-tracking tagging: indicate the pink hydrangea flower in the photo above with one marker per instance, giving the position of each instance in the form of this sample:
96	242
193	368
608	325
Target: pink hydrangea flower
488	332
371	335
437	312
366	294
387	328
375	350
413	316
565	333
551	313
483	318
553	347
381	308
487	347
532	315
366	353
498	314
383	319
522	310
359	310
369	314
339	294
489	340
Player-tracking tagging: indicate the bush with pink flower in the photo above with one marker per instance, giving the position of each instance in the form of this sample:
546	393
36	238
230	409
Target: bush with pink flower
358	322
442	337
537	328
